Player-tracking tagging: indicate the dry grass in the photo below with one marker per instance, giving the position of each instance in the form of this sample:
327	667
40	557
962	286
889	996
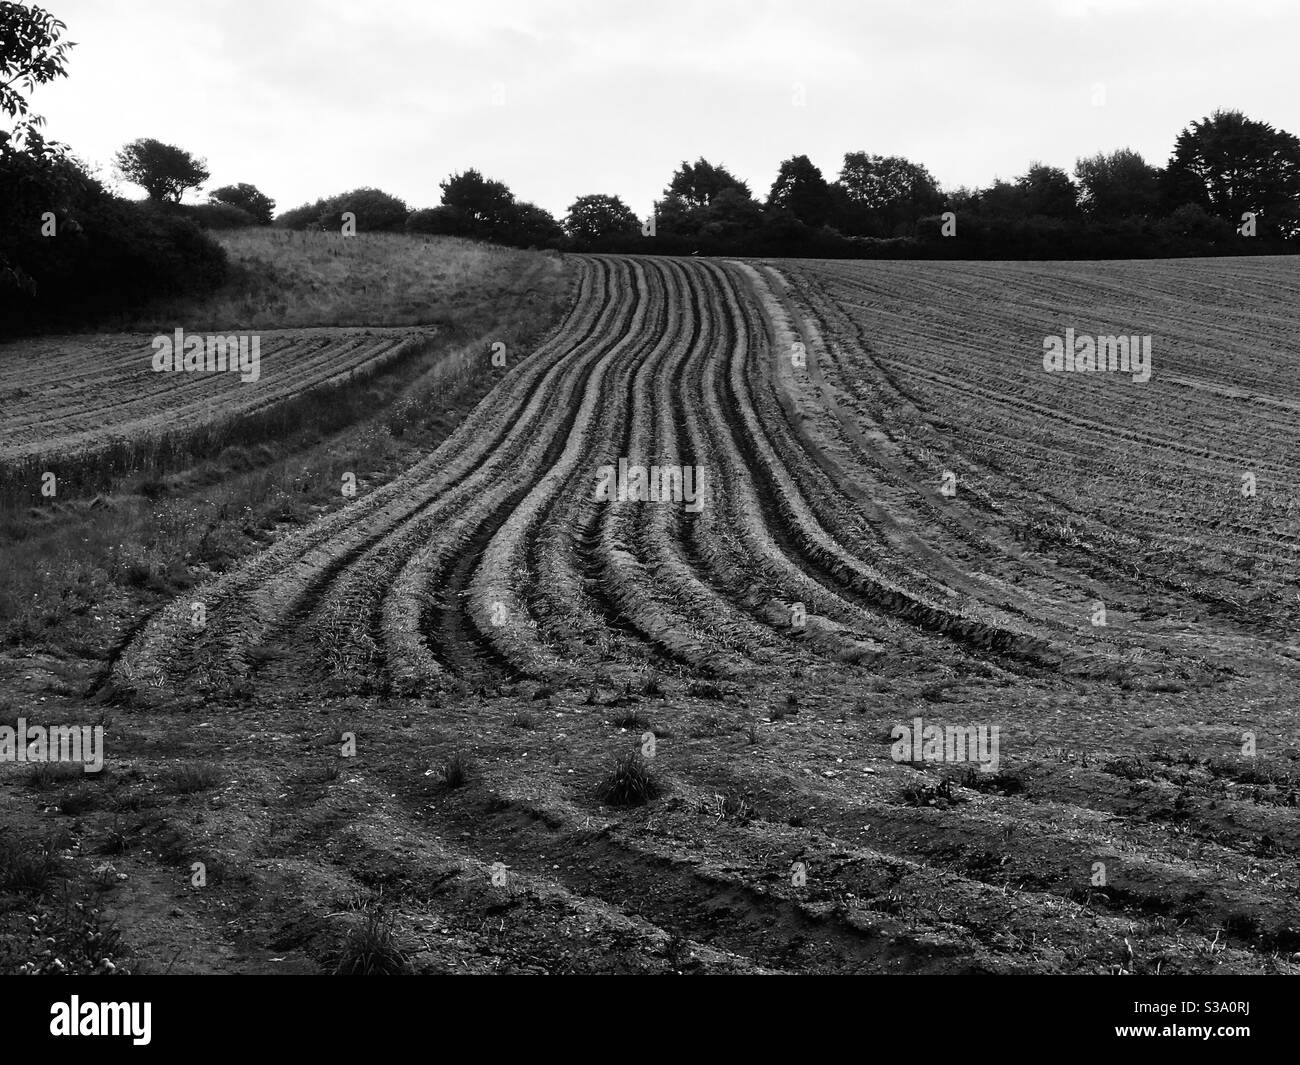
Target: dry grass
285	279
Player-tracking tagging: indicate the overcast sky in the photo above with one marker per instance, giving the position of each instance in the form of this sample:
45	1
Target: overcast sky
311	97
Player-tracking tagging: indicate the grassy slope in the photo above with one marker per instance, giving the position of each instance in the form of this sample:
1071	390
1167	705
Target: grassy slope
283	279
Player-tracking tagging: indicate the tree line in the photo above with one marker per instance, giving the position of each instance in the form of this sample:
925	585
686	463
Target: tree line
1230	186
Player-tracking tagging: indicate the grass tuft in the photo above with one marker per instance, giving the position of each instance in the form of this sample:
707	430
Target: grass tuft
371	949
193	777
631	782
455	771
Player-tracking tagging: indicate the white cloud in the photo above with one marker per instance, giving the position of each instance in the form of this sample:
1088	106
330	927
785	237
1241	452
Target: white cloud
307	100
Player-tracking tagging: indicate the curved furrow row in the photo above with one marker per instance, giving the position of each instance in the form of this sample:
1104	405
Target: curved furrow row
495	605
743	406
380	610
494	558
244	604
640	591
753	560
562	585
117	411
859	470
655	591
729	540
501	589
667	530
1056	593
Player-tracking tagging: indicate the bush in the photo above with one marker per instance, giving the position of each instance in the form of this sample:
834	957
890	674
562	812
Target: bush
305	217
376	212
247	198
104	254
219	216
437	221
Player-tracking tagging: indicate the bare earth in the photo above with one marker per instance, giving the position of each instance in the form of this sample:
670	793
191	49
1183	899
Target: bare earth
904	517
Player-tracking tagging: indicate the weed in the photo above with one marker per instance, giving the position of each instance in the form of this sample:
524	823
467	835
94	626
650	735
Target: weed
45	776
27	867
371	949
79	800
731	805
193	777
631	719
455	771
631	782
927	794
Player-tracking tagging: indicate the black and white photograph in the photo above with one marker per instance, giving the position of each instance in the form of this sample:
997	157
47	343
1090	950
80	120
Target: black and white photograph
544	487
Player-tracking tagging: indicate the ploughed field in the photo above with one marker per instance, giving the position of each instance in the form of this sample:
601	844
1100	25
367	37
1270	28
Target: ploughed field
98	405
882	509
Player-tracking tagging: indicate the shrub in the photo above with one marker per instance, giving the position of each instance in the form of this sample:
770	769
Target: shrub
437	221
107	254
219	216
376	212
247	198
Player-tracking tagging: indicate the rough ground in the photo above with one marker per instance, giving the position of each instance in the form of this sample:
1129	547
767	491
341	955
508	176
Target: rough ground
484	611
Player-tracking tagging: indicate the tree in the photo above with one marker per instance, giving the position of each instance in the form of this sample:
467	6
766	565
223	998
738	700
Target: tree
1230	164
1194	221
696	184
594	219
374	211
30	186
108	254
706	201
485	204
732	217
961	199
164	171
247	198
1048	192
885	192
31	54
1119	185
531	225
801	190
1002	199
305	216
437	221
